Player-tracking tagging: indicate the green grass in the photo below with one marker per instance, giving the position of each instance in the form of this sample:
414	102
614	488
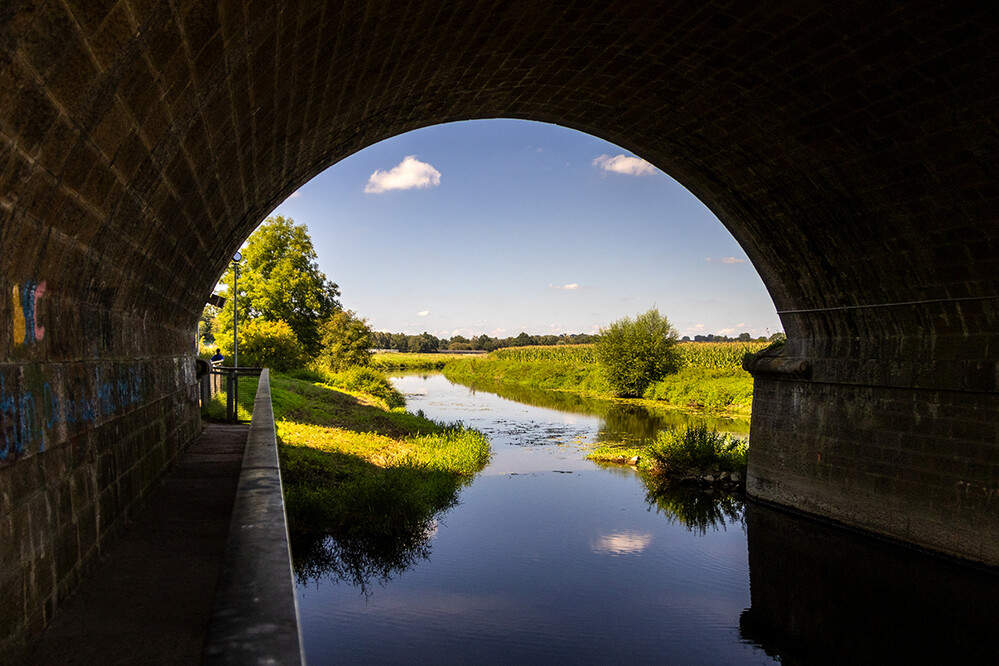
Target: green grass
356	381
566	354
728	390
215	409
694	448
364	481
508	367
683	451
349	461
710	380
405	361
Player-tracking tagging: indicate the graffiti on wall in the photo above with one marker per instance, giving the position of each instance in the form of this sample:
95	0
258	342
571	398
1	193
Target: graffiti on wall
30	416
25	299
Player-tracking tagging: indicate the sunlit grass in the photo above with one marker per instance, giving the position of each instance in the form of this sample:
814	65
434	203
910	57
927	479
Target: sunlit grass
350	462
682	451
694	448
413	361
710	379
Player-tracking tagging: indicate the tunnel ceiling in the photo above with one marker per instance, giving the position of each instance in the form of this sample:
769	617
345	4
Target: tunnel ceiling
850	148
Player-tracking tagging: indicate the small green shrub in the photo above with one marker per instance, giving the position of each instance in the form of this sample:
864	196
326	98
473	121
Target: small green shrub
694	447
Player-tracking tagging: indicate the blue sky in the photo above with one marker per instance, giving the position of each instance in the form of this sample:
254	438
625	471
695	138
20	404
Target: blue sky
504	226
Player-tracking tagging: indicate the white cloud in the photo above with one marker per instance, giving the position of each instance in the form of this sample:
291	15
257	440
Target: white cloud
632	166
621	543
295	194
568	287
732	260
409	174
423	313
726	331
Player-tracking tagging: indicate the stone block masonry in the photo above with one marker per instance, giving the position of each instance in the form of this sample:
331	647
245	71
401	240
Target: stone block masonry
916	465
82	444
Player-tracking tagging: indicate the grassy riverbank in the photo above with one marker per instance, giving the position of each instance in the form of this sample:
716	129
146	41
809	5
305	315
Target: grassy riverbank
350	462
689	454
414	361
354	462
710	379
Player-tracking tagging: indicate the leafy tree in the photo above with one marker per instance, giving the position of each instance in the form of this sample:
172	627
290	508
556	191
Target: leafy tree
346	341
637	352
400	341
263	343
381	340
424	343
523	340
280	280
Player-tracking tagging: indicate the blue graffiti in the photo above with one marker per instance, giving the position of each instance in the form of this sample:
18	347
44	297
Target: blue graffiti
20	424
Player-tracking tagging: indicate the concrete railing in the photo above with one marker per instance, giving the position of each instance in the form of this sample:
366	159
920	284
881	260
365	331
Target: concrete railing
255	619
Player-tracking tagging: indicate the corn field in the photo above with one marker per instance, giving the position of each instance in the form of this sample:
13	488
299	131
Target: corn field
574	354
717	354
692	354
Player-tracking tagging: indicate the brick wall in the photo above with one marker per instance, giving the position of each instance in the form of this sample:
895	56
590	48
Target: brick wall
83	443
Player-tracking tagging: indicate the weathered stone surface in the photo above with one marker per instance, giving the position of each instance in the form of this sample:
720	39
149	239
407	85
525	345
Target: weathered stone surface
850	150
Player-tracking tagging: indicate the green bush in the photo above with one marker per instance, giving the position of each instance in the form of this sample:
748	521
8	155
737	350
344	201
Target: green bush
694	448
635	353
262	343
355	380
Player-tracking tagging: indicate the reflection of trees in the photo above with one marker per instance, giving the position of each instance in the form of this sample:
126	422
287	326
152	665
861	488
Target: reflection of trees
562	401
626	422
370	527
695	508
358	558
633	425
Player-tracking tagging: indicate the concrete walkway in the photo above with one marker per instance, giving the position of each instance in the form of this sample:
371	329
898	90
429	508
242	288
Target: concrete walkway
149	599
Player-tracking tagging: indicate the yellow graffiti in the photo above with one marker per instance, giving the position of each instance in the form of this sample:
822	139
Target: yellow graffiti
19	328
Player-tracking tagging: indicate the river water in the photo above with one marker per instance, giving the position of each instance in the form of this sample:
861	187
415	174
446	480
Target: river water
549	558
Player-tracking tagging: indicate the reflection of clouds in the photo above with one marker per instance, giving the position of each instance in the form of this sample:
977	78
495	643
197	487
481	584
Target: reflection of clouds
621	543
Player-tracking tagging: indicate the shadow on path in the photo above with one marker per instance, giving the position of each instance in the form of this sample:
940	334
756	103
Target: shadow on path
149	599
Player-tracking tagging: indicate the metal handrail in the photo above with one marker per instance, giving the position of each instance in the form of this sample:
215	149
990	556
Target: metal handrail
211	384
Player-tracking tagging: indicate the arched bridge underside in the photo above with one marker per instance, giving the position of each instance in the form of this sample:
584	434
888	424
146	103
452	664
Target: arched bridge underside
851	149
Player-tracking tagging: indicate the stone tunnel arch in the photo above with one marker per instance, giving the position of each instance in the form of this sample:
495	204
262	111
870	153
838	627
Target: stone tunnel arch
850	150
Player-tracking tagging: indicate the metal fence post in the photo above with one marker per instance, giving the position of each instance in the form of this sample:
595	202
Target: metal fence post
230	396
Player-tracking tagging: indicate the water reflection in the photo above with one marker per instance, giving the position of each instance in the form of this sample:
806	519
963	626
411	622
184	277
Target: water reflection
696	509
623	422
825	595
355	560
381	538
621	543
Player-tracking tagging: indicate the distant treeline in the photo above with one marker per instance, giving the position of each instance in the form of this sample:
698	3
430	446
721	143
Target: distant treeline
425	343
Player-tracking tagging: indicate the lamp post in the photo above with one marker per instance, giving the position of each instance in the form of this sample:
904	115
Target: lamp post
236	258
